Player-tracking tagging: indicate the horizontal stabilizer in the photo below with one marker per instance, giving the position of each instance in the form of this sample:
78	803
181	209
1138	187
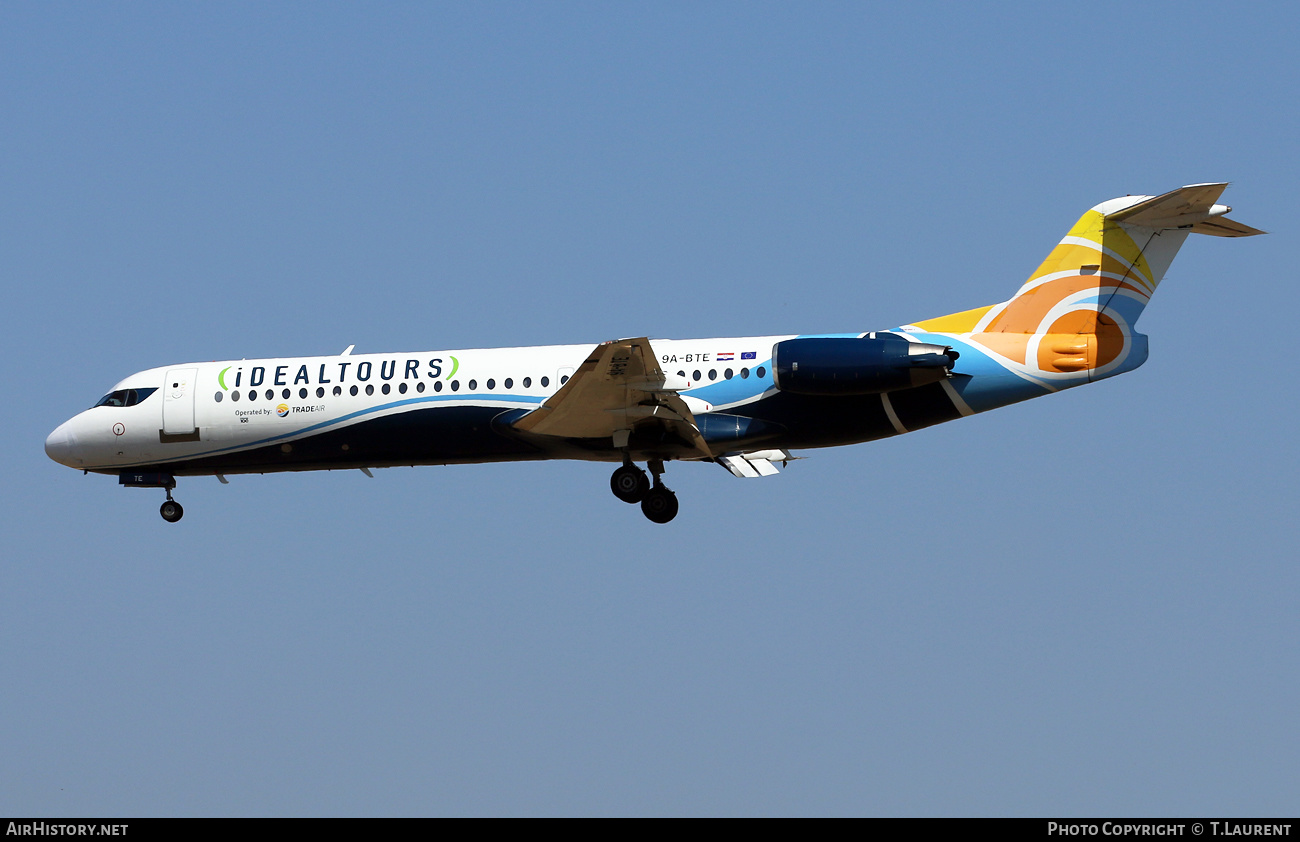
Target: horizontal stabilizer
1192	208
1224	227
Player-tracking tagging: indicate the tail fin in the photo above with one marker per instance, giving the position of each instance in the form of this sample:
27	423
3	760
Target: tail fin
1077	310
1105	270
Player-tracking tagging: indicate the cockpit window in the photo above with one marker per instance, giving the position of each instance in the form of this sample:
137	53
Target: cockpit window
125	397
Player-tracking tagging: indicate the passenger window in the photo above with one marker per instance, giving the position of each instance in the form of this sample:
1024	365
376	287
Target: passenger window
491	384
760	372
419	387
713	374
285	394
338	390
370	388
727	374
386	388
302	393
455	385
528	382
744	374
252	394
219	397
545	381
473	384
509	383
564	379
437	385
402	388
270	394
353	391
697	378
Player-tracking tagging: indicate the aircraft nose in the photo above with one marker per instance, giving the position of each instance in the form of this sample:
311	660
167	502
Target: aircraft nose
61	446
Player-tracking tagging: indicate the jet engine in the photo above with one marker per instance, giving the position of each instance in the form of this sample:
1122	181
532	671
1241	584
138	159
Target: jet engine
877	362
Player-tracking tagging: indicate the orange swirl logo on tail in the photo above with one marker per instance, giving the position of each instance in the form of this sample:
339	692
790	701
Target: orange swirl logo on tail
1060	320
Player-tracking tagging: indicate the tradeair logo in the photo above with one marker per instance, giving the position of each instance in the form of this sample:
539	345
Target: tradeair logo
282	410
340	371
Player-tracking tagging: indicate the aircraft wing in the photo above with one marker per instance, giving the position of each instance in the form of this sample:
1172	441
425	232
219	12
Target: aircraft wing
618	390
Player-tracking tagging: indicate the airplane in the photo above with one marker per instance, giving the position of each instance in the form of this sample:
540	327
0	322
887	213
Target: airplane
743	403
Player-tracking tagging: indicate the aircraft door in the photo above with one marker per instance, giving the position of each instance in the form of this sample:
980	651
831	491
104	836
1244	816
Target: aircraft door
178	401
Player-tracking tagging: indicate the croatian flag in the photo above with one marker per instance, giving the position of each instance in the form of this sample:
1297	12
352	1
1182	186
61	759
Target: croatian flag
726	357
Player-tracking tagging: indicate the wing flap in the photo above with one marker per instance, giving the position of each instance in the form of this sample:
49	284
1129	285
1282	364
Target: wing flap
758	463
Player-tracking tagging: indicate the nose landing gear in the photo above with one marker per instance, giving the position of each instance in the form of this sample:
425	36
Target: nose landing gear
629	484
171	511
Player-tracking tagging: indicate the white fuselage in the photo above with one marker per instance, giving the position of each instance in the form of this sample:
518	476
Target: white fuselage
218	409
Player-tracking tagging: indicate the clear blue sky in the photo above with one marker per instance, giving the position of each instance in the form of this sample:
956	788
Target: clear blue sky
1081	605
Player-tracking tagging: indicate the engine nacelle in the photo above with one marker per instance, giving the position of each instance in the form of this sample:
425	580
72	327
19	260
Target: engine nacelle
858	366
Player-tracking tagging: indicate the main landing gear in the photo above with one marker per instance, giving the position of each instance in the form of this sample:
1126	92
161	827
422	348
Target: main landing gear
630	484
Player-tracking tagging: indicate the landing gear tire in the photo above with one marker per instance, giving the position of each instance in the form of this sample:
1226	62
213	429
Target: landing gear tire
171	511
629	484
659	505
